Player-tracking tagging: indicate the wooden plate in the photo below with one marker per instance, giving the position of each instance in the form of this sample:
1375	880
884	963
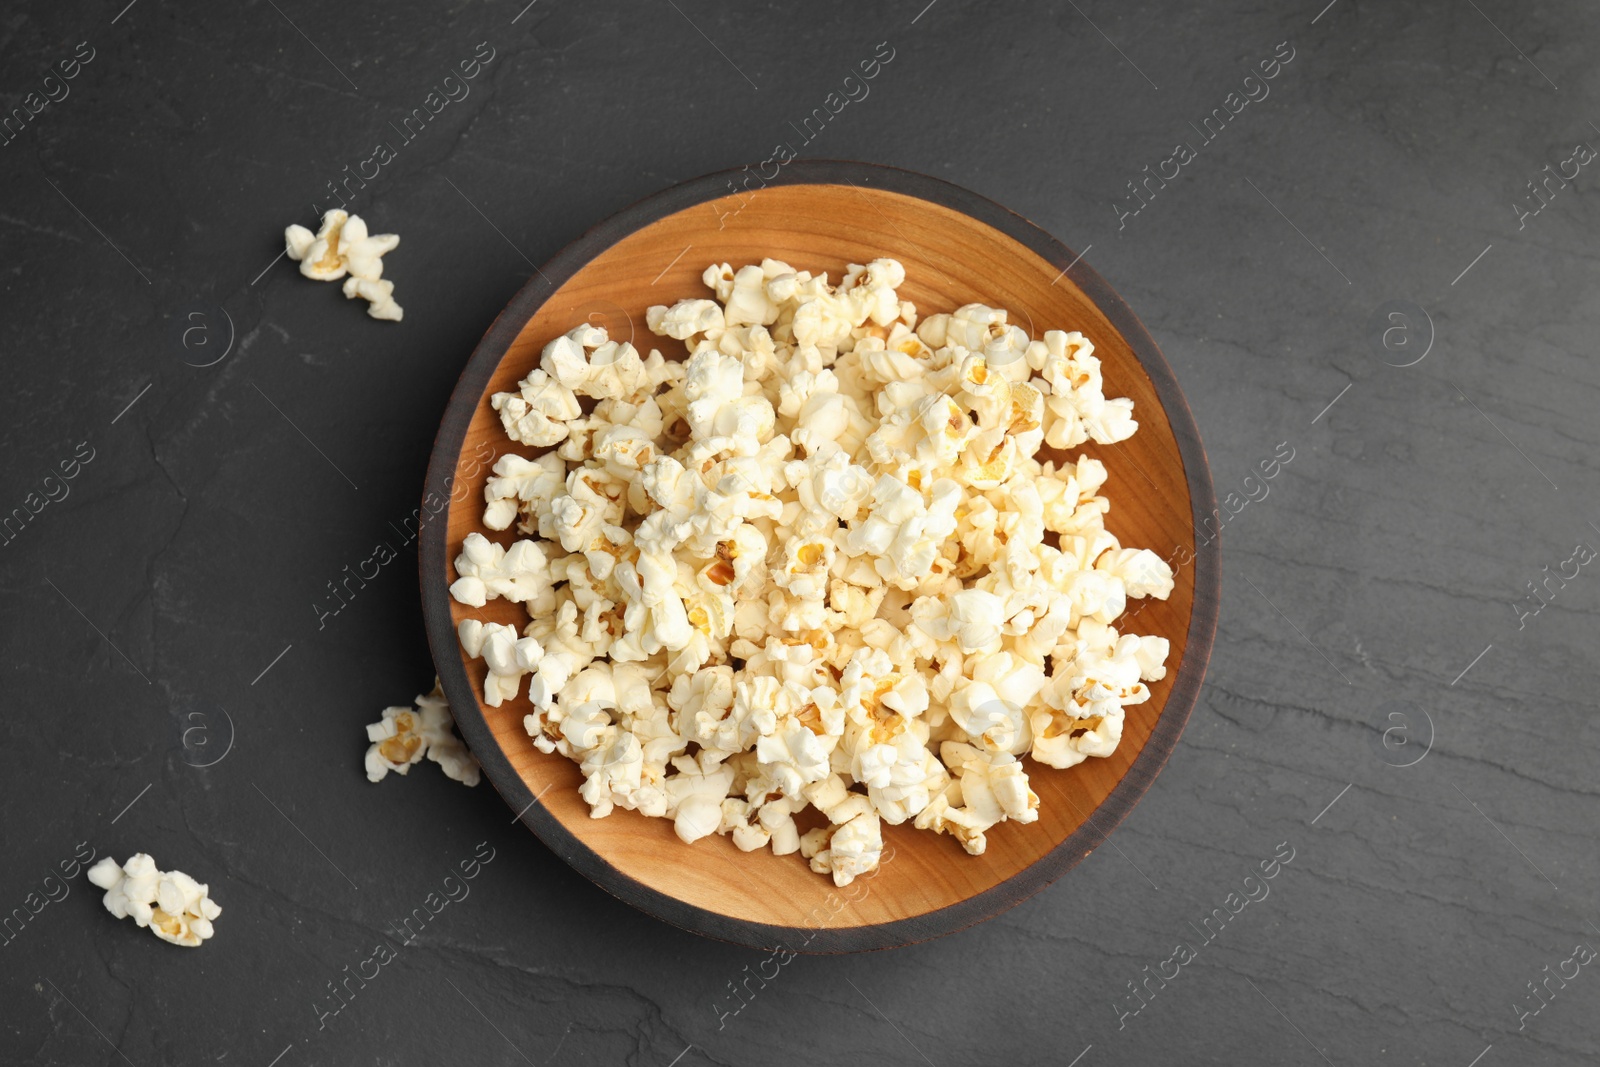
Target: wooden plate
957	248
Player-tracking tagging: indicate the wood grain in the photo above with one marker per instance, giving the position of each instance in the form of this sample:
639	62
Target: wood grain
957	248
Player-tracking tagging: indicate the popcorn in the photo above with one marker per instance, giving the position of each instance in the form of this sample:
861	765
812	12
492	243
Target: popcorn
1152	658
379	296
520	574
814	562
397	743
697	803
987	791
319	255
343	246
405	735
444	747
174	907
853	850
1076	408
1084	701
747	300
523	487
685	318
363	254
508	658
1141	571
590	364
538	413
794	755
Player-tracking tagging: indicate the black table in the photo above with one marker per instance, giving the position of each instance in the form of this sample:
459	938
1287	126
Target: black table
1379	259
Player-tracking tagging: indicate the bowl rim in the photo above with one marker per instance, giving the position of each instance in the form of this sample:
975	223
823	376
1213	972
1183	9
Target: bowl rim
474	727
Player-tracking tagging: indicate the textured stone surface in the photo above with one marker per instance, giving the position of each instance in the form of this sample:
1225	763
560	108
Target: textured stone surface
1387	558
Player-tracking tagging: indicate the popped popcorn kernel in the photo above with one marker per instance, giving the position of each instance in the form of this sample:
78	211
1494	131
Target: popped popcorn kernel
343	246
173	906
405	735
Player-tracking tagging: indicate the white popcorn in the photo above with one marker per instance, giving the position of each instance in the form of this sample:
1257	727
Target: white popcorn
405	735
1152	658
714	387
586	361
175	907
971	619
396	743
523	487
697	803
685	318
362	253
508	658
343	246
379	295
747	300
1083	713
520	574
538	413
987	791
853	849
319	255
719	279
993	722
1076	409
297	241
747	836
823	321
1141	571
444	747
794	756
813	562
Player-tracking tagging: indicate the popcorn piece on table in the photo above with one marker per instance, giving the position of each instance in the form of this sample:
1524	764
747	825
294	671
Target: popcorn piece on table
175	907
405	735
379	295
342	246
319	254
396	743
363	253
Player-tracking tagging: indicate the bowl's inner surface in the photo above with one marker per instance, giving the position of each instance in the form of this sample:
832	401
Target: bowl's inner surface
950	260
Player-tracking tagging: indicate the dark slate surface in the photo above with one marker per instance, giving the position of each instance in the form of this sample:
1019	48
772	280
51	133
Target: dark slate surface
1376	586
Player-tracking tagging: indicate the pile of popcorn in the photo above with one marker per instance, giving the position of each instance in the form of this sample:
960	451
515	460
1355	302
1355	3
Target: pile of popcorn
342	246
815	565
175	907
405	735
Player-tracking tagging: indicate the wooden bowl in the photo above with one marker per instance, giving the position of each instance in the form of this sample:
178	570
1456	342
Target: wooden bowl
957	248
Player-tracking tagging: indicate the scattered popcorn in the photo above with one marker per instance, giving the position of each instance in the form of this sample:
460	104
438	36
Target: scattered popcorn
343	247
405	735
175	907
816	563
